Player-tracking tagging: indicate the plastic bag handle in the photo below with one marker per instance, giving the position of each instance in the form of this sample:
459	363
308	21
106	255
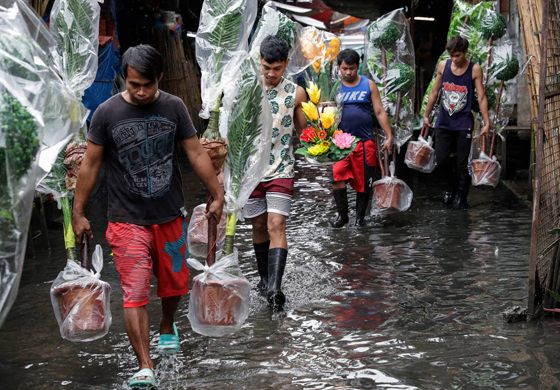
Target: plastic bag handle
85	255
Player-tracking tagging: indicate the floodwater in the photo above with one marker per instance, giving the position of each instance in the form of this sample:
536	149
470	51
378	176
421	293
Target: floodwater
412	301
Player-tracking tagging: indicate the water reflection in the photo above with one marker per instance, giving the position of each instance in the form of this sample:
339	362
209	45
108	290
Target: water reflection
412	301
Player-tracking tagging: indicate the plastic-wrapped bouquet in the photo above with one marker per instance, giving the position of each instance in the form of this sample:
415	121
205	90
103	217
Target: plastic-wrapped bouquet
323	142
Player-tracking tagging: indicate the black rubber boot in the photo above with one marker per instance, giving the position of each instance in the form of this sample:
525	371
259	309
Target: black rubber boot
362	202
448	197
261	252
341	200
276	264
460	202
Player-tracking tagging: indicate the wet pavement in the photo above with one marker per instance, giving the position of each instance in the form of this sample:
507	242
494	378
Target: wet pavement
411	301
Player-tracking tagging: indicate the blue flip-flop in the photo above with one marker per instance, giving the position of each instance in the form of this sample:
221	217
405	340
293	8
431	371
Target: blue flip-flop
169	343
143	373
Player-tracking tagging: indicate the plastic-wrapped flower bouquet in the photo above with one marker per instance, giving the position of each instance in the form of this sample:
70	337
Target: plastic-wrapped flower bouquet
322	141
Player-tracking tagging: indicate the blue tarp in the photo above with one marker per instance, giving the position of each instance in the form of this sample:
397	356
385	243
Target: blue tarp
104	86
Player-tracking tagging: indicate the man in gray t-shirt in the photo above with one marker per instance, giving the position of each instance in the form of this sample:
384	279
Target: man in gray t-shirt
137	132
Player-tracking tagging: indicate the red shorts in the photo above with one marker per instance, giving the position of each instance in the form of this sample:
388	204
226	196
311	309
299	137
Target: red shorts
139	250
358	168
282	186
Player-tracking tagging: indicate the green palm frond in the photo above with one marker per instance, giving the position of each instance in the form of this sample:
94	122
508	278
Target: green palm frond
226	33
71	34
245	127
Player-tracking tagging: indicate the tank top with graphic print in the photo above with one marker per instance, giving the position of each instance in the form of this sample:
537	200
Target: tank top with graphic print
282	99
456	100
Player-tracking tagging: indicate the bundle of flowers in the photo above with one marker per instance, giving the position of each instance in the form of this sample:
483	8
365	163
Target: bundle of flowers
320	49
323	142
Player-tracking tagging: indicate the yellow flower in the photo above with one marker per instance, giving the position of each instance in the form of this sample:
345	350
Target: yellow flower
335	44
327	117
319	149
317	66
310	111
314	93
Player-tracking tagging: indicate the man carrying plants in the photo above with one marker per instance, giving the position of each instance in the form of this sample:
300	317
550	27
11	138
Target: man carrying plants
269	205
457	78
137	132
361	100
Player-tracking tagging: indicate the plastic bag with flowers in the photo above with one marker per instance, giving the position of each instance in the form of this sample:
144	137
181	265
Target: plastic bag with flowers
322	142
320	49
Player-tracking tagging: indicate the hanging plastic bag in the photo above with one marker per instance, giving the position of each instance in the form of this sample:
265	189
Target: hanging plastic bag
420	155
390	194
485	171
220	297
197	235
81	301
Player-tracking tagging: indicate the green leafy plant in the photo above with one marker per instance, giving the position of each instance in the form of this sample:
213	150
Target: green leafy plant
287	30
73	28
19	130
493	25
400	77
490	97
244	130
224	37
507	69
383	34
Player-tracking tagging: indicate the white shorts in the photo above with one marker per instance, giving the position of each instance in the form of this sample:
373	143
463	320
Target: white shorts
273	202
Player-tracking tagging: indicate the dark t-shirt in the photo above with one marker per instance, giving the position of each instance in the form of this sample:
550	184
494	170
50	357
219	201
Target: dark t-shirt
144	181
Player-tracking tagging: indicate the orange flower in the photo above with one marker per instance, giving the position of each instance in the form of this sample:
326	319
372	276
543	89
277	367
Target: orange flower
322	134
336	132
317	66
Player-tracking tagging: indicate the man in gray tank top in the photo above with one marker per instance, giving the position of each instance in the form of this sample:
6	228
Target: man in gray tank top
457	79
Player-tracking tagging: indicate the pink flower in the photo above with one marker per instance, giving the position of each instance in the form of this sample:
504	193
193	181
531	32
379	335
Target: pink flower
343	140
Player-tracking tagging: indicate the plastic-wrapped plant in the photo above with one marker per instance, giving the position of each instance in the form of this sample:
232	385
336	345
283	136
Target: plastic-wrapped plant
403	79
244	130
493	27
508	69
74	24
19	129
384	35
287	30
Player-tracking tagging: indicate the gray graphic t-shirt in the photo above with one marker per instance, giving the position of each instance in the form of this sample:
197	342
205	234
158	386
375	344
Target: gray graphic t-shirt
144	181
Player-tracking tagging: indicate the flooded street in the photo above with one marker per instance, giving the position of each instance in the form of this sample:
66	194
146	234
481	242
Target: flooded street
412	301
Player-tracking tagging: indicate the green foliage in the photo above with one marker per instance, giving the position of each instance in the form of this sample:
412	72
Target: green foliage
493	25
71	34
383	34
19	132
225	34
400	78
506	69
287	30
19	52
245	127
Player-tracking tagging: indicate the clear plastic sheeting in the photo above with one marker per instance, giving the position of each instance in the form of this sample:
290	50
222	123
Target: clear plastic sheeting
276	23
224	28
81	301
65	116
24	77
197	234
504	67
389	62
75	26
390	195
248	143
420	155
220	297
485	171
